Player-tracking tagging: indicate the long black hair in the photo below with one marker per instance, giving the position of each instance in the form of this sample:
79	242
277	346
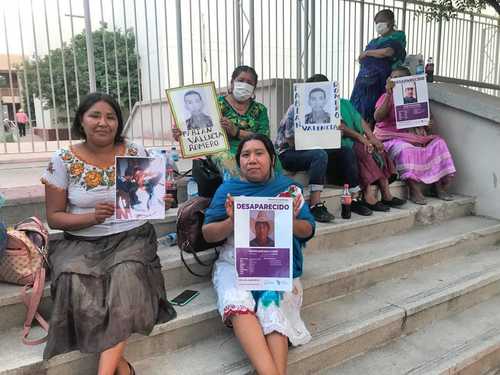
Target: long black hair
87	102
268	144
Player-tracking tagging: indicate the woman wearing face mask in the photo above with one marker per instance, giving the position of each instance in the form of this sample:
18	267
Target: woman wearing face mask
242	116
378	59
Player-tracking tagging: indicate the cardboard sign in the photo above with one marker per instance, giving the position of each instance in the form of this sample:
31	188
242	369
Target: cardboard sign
317	115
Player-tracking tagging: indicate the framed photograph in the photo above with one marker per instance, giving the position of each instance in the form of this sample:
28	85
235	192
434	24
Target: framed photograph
197	116
140	188
263	255
411	101
317	115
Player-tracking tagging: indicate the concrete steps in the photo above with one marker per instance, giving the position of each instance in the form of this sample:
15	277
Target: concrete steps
24	201
465	343
329	238
346	326
341	267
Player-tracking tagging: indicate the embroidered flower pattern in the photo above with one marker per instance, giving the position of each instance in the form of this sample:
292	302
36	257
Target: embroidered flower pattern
93	179
76	169
132	150
89	176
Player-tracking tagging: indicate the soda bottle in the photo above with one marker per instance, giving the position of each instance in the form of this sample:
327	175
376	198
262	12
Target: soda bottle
346	203
429	70
171	186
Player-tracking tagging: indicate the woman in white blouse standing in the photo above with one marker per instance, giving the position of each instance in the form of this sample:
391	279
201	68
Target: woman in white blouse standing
106	275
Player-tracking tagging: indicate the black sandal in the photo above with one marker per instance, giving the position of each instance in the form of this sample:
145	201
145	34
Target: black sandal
379	206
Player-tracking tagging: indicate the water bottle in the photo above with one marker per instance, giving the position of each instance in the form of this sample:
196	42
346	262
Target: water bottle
420	67
192	188
346	201
174	153
429	70
170	239
171	186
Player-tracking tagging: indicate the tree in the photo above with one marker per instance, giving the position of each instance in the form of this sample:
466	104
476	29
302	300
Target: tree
78	42
446	9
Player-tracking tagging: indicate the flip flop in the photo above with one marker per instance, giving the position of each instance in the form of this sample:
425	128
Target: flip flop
420	201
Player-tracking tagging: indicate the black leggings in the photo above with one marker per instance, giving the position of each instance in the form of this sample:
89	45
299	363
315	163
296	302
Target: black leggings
343	167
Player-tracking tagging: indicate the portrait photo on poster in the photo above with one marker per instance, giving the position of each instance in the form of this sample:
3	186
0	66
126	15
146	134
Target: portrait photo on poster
197	116
262	228
140	188
409	93
317	109
317	115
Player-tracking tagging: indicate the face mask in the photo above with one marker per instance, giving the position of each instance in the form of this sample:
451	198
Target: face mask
242	91
382	27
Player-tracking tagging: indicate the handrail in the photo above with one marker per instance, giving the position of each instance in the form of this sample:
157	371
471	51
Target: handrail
464	82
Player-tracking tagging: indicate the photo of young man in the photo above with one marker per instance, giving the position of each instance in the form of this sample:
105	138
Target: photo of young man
193	103
317	102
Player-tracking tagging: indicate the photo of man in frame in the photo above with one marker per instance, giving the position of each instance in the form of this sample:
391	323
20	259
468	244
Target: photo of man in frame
317	100
193	103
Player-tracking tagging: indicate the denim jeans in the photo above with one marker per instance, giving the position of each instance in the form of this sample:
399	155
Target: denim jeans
314	162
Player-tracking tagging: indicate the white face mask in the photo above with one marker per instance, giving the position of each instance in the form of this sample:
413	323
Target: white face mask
382	27
242	91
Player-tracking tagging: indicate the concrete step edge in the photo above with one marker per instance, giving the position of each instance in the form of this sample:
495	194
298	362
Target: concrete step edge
391	314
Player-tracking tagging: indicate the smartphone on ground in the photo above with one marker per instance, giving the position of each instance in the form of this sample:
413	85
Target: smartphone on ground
185	297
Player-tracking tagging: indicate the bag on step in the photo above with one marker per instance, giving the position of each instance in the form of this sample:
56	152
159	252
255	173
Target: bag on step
190	239
24	263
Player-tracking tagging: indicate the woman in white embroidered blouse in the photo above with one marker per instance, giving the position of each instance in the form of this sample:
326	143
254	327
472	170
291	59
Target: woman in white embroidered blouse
106	274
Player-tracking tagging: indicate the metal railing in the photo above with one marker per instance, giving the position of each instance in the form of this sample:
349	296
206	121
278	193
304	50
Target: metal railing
135	49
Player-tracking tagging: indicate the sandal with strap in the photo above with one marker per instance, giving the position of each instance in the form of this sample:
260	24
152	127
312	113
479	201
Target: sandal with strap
130	367
418	200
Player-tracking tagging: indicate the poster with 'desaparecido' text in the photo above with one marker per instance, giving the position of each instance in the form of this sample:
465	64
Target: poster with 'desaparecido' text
263	237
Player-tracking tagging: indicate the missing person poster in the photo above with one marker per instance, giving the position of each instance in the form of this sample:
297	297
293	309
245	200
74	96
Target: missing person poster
317	115
411	101
197	116
263	238
140	188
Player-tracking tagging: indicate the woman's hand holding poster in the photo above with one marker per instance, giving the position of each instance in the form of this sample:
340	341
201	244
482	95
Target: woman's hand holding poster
197	116
411	101
263	254
317	115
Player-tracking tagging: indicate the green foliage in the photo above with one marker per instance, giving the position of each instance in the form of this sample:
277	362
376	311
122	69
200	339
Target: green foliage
447	9
78	42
